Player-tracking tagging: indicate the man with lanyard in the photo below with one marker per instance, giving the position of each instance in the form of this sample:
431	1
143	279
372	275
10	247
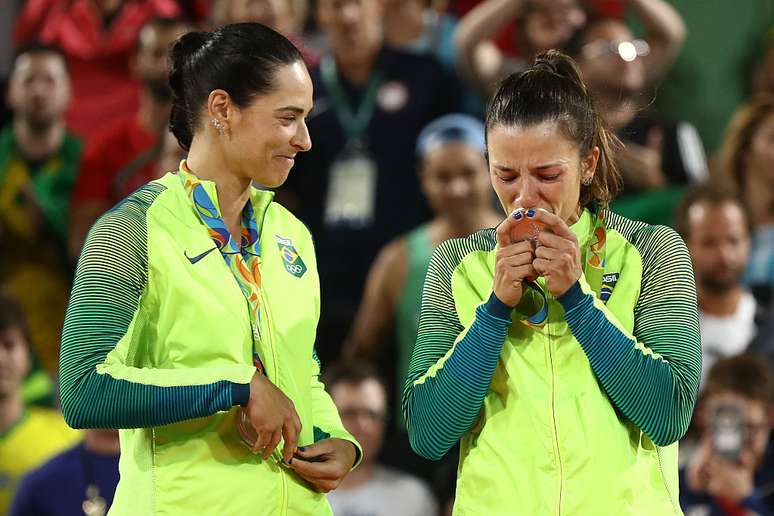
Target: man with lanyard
357	188
38	163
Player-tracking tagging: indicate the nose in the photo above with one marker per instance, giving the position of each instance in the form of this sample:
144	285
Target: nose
350	13
528	195
301	140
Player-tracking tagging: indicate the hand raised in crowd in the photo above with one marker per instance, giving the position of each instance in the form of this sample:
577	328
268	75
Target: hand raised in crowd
557	255
325	463
719	477
513	263
273	416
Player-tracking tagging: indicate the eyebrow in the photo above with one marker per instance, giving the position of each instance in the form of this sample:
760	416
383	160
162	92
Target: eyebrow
506	168
294	109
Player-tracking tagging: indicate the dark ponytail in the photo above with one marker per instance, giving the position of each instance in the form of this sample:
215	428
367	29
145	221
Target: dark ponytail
240	59
552	90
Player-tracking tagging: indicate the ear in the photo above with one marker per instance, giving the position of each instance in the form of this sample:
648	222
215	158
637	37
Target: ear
589	163
221	107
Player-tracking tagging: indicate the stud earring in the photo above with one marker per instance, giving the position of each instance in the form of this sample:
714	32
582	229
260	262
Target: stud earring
588	181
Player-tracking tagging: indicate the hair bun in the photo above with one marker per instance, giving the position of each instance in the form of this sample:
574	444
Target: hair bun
558	63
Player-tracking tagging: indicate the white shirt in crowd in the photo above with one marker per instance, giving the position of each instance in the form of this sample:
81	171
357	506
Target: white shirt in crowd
728	335
388	493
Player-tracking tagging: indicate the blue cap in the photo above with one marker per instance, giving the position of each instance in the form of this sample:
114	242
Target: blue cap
455	127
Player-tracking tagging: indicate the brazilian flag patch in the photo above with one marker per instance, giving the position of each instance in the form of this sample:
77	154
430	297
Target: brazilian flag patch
290	257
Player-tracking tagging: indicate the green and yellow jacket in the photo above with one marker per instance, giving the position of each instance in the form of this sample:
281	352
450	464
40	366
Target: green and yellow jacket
579	414
158	342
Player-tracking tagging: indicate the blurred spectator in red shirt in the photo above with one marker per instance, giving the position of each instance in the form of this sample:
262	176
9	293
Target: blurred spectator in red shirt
99	39
122	157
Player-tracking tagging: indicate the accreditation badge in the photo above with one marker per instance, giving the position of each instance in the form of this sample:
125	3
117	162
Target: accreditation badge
351	197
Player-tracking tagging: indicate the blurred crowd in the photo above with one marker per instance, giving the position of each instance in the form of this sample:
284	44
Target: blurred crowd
397	166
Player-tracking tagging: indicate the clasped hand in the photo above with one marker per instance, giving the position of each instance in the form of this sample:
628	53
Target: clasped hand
273	416
554	255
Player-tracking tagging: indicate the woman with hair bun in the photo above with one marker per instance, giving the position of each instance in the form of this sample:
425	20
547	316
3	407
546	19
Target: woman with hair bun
561	348
192	318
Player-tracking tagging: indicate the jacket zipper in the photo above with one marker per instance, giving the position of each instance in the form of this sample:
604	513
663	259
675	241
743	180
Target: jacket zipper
269	335
553	420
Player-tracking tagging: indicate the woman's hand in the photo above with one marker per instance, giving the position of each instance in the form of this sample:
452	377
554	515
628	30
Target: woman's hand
513	263
325	463
273	417
557	256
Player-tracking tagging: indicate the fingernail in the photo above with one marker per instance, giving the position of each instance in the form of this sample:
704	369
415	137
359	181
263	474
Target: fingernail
517	215
530	213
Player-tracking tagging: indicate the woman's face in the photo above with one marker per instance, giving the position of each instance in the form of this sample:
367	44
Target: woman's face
538	167
455	180
266	135
760	156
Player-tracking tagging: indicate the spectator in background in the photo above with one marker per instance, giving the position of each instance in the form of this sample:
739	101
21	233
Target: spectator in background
746	158
357	187
28	436
371	489
99	38
454	177
39	160
81	480
542	25
659	158
714	225
714	485
414	26
285	16
123	157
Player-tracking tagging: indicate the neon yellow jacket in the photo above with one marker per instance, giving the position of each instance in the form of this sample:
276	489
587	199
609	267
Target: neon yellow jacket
157	342
578	415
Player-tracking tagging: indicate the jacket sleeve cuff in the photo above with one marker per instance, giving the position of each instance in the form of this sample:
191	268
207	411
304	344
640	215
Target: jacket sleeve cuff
572	297
240	393
497	308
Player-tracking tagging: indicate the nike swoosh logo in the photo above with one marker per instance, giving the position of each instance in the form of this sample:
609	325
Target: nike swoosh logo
194	259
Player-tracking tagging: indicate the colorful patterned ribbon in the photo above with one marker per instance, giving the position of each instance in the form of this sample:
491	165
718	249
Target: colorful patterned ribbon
243	259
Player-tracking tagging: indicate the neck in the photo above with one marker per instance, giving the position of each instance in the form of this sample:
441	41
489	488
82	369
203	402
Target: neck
38	144
11	409
102	442
207	162
357	68
153	114
359	476
719	303
403	23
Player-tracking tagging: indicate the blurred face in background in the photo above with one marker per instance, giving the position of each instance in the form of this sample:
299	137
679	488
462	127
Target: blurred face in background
14	361
39	89
276	14
455	180
353	27
550	23
609	72
719	243
363	409
151	64
757	426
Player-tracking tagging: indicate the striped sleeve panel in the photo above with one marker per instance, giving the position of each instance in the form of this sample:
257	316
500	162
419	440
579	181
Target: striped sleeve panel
109	281
447	381
652	377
